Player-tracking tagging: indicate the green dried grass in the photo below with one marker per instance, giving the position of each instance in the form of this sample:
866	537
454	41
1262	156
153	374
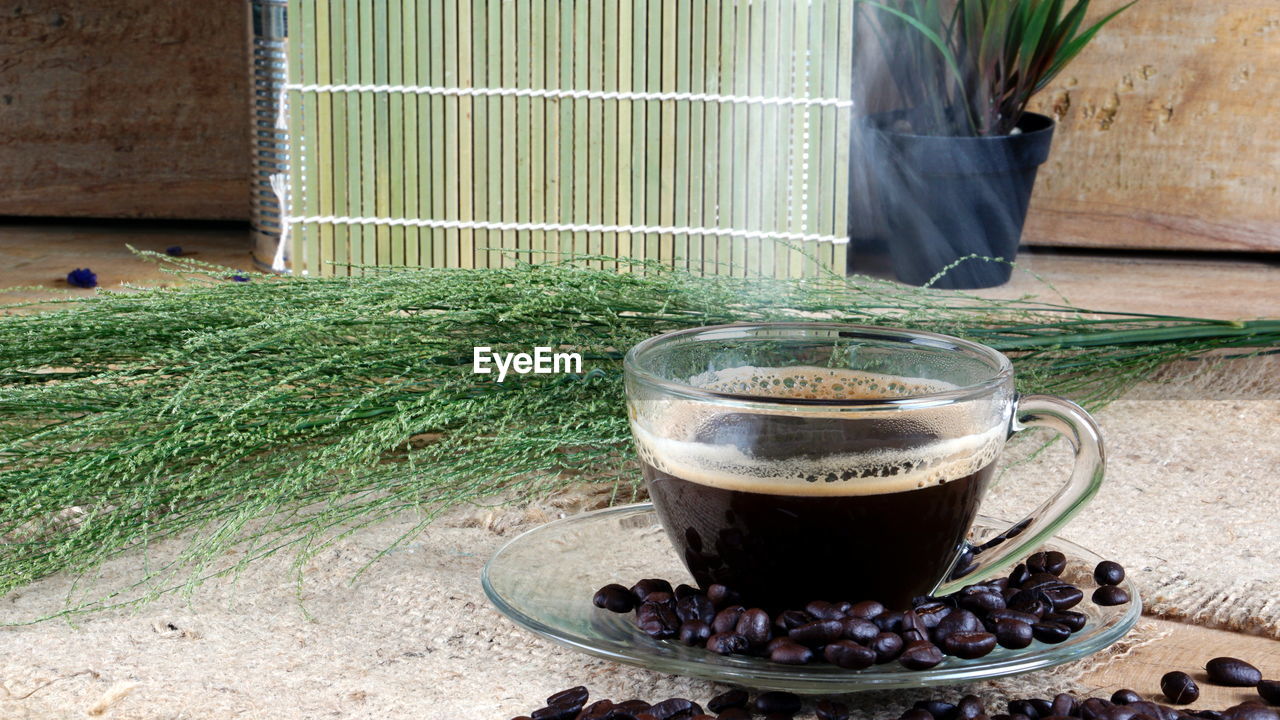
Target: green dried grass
283	413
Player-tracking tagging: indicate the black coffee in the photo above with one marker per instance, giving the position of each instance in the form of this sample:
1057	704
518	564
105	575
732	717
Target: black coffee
786	509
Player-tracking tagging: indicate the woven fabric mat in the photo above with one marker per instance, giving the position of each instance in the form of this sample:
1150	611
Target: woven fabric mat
1190	508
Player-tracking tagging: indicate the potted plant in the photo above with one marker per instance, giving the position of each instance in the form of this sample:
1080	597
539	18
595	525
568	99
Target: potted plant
952	165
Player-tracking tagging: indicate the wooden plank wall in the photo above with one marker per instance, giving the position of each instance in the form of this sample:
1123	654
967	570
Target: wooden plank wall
1168	136
124	108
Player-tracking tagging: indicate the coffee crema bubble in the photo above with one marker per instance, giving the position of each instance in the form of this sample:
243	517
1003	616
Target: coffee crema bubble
816	451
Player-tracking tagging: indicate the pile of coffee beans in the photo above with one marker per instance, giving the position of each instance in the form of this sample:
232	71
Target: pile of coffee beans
1032	603
572	704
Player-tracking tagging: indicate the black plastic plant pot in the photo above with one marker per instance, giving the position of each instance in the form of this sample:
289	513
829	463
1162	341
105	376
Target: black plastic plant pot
943	199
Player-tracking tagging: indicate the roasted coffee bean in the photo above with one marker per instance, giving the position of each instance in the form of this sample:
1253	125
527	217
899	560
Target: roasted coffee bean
859	630
735	714
1232	672
1063	705
779	716
1013	634
887	647
1019	575
694	632
695	607
1074	621
1108	573
643	588
818	633
1023	707
1269	690
615	598
969	708
932	612
1179	688
791	619
1246	711
1125	696
1006	716
727	643
683	591
911	623
722	597
1041	580
634	707
789	652
937	709
1007	614
866	610
958	621
1146	707
983	601
1093	708
821	610
889	621
730	699
554	712
1032	602
704	716
675	708
969	645
920	655
575	697
657	621
1063	596
1042	706
776	701
597	710
1109	595
776	641
755	626
831	710
1052	562
1050	632
727	619
849	655
522	717
915	714
1208	714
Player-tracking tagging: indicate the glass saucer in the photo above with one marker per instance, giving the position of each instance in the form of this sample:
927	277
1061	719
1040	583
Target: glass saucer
544	580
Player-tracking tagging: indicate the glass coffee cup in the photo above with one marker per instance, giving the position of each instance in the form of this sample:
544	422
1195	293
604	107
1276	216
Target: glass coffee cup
825	461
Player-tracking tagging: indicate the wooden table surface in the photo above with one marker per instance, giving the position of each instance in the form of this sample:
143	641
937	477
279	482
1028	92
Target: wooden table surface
1187	648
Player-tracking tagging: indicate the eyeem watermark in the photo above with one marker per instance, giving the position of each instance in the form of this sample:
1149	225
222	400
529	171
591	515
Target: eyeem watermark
541	362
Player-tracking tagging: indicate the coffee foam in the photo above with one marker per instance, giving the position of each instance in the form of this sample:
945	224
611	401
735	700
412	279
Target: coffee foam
964	445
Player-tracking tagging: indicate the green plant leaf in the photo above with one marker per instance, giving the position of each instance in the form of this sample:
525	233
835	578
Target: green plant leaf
1074	46
933	37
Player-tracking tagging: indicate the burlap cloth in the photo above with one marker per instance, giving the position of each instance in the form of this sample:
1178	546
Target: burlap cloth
1190	508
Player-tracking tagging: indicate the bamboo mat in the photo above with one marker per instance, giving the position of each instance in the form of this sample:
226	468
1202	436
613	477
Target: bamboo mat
744	170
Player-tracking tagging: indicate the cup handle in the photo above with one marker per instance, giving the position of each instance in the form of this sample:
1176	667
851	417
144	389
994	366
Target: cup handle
979	563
